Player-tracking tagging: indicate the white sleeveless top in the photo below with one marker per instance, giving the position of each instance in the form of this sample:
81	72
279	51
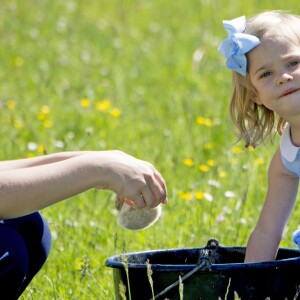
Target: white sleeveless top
290	154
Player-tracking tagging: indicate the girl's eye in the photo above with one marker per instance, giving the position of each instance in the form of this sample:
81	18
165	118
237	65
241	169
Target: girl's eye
294	63
265	74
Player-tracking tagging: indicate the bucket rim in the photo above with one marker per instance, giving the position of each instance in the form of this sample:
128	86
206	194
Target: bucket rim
115	263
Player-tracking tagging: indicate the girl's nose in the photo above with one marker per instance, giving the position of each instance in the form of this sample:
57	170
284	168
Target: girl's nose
284	77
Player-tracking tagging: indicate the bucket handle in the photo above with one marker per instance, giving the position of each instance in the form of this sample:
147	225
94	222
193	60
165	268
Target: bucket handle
204	265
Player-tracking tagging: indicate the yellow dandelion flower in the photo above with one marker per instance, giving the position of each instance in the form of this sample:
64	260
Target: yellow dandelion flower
85	102
185	195
41	149
208	146
236	149
48	123
259	161
222	174
211	163
188	162
199	195
44	112
18	124
115	112
11	104
103	105
19	62
45	109
204	168
42	116
30	155
204	121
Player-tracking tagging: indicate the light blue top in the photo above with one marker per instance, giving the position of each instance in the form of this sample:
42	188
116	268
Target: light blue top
290	154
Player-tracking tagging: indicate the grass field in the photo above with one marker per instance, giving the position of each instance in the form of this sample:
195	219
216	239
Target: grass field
144	77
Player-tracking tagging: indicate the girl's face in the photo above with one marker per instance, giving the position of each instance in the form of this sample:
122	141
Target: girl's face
274	69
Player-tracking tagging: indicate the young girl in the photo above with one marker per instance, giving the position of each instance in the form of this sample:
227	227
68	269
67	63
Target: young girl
264	54
27	185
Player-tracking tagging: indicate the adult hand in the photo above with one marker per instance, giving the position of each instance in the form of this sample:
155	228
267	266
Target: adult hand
135	181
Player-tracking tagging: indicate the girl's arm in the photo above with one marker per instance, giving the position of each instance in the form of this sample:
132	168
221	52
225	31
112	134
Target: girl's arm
282	191
33	187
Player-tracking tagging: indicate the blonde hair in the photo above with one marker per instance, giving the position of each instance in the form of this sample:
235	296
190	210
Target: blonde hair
256	122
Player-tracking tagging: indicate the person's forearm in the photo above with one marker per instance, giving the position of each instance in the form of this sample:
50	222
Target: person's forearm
43	182
262	247
26	190
38	160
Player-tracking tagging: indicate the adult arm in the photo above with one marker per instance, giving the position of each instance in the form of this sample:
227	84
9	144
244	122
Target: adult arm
282	191
30	188
38	160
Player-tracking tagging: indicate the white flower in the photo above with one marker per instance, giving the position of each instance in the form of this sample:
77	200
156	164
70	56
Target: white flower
214	183
32	146
208	197
229	194
59	144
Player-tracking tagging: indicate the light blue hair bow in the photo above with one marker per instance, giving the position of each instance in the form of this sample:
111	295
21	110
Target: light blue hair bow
237	45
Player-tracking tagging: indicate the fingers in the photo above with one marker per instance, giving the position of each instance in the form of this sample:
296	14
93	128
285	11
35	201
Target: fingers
128	201
144	188
161	193
153	193
120	200
148	198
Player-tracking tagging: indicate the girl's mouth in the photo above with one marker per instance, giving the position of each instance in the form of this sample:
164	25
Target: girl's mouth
289	91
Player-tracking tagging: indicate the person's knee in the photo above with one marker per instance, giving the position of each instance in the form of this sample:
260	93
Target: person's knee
36	238
13	262
36	234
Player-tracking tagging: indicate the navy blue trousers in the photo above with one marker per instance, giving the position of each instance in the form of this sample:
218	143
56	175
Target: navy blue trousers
25	244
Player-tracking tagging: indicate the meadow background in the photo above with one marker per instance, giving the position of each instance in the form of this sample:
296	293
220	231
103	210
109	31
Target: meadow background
144	77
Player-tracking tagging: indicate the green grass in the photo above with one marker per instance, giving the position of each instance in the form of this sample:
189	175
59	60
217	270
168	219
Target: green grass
137	56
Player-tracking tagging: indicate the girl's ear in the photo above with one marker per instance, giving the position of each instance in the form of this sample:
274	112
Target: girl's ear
255	98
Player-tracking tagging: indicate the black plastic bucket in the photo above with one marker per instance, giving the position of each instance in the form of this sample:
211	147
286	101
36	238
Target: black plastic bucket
212	272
